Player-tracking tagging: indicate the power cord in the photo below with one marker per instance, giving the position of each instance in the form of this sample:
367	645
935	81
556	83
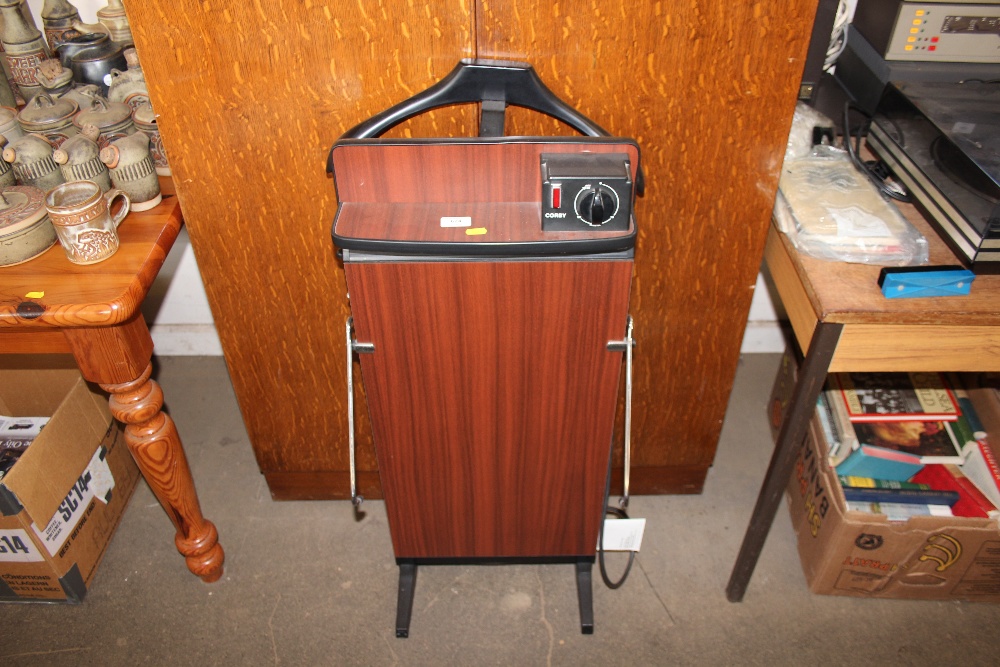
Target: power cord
621	514
876	170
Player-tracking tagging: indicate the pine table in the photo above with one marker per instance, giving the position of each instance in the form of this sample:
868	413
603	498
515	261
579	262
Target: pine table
50	305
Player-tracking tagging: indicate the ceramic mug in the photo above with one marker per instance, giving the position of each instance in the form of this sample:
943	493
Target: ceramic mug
84	219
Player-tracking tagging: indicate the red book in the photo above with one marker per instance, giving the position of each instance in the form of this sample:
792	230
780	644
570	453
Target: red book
941	477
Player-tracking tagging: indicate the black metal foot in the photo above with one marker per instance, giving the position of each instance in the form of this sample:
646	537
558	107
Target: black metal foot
404	599
585	596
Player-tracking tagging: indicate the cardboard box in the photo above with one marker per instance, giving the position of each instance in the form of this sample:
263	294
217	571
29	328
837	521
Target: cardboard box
864	555
63	499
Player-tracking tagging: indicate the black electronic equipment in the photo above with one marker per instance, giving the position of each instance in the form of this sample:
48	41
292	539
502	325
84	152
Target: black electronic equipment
942	140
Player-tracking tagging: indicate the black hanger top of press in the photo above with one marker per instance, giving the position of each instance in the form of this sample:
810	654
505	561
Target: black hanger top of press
495	84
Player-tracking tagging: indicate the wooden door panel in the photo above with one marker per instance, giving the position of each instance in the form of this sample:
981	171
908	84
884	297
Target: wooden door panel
707	89
251	95
250	98
493	395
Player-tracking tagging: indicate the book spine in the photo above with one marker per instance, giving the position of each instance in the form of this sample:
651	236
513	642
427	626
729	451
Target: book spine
967	408
870	483
899	511
962	431
904	496
991	460
841	421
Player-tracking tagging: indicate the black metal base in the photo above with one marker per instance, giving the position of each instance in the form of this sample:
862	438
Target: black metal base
408	585
404	598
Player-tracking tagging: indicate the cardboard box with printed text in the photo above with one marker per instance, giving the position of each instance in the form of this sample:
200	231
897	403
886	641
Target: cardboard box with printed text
845	552
61	502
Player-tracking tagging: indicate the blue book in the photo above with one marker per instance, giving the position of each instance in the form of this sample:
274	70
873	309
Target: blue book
909	496
880	463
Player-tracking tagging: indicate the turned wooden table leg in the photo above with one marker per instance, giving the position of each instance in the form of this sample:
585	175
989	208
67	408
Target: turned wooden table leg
152	438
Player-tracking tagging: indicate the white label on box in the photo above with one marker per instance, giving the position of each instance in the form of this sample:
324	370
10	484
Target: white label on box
456	221
17	547
95	482
623	534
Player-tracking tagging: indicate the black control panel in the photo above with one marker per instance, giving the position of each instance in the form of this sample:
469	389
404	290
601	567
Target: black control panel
586	191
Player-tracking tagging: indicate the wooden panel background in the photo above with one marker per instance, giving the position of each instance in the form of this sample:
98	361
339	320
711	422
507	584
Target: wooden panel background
251	96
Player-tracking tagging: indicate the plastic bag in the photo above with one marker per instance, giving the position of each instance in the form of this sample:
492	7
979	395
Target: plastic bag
831	211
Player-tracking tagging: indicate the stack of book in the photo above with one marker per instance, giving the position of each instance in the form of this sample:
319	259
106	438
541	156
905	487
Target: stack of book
905	444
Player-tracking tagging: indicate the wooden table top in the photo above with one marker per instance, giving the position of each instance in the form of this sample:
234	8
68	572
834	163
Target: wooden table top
849	293
959	333
50	292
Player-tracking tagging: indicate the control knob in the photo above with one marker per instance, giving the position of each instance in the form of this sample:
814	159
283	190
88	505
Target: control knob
595	205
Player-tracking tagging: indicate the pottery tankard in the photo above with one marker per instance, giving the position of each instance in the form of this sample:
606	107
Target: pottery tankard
85	220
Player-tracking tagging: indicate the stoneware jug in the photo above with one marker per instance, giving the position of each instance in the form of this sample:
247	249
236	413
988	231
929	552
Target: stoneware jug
58	17
79	159
23	45
9	127
31	158
6	172
129	86
145	121
113	18
130	162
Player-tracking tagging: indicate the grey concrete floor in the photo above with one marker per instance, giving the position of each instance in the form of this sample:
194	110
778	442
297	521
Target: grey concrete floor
307	585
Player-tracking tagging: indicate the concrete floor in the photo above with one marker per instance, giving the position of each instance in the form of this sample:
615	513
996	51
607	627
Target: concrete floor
306	585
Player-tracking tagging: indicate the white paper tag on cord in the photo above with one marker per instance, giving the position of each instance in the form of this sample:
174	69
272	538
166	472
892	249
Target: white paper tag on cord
623	534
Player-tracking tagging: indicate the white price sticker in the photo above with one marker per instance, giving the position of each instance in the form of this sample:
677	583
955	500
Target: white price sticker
623	534
456	221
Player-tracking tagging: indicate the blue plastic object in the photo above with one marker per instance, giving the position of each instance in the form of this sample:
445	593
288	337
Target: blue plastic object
914	282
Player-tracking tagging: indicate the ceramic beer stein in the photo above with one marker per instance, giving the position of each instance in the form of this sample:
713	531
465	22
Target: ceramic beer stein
130	162
79	159
85	220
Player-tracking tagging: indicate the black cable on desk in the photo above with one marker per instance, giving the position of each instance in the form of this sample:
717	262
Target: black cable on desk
876	170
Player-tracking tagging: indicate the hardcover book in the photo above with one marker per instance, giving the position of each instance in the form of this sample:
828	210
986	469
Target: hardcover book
982	467
880	463
897	396
900	511
907	496
972	502
930	441
844	440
